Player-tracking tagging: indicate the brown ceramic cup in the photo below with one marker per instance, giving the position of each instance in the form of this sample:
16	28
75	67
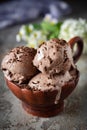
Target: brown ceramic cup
41	103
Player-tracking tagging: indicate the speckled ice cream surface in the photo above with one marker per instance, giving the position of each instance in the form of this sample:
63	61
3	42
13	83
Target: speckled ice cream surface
54	56
54	59
44	82
17	64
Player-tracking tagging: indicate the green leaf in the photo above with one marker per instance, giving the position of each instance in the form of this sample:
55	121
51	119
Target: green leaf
47	26
37	26
52	29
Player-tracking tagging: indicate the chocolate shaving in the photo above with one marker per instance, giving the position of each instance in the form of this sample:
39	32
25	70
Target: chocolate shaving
48	84
38	51
38	82
4	69
45	48
51	46
62	42
34	83
54	85
50	60
45	68
54	53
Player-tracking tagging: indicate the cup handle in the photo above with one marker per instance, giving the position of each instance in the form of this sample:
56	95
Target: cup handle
76	40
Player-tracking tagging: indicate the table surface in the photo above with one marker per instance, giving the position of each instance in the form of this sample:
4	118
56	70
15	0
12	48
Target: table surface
12	115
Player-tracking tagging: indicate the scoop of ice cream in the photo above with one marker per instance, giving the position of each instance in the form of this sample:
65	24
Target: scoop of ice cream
17	64
54	56
43	82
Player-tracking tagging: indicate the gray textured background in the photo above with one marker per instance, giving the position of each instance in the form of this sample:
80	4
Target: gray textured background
16	12
20	11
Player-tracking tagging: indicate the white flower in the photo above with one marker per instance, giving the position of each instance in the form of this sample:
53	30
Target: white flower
22	30
31	27
22	34
18	38
49	18
73	27
36	38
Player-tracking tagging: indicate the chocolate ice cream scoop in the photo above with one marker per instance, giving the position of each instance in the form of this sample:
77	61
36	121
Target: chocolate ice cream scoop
43	82
54	56
17	64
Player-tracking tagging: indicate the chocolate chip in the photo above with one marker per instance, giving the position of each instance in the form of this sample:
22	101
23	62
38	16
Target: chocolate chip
18	51
50	60
57	49
38	82
34	83
62	42
54	85
4	69
10	74
48	77
45	48
45	68
48	84
51	46
55	70
54	53
65	60
44	57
